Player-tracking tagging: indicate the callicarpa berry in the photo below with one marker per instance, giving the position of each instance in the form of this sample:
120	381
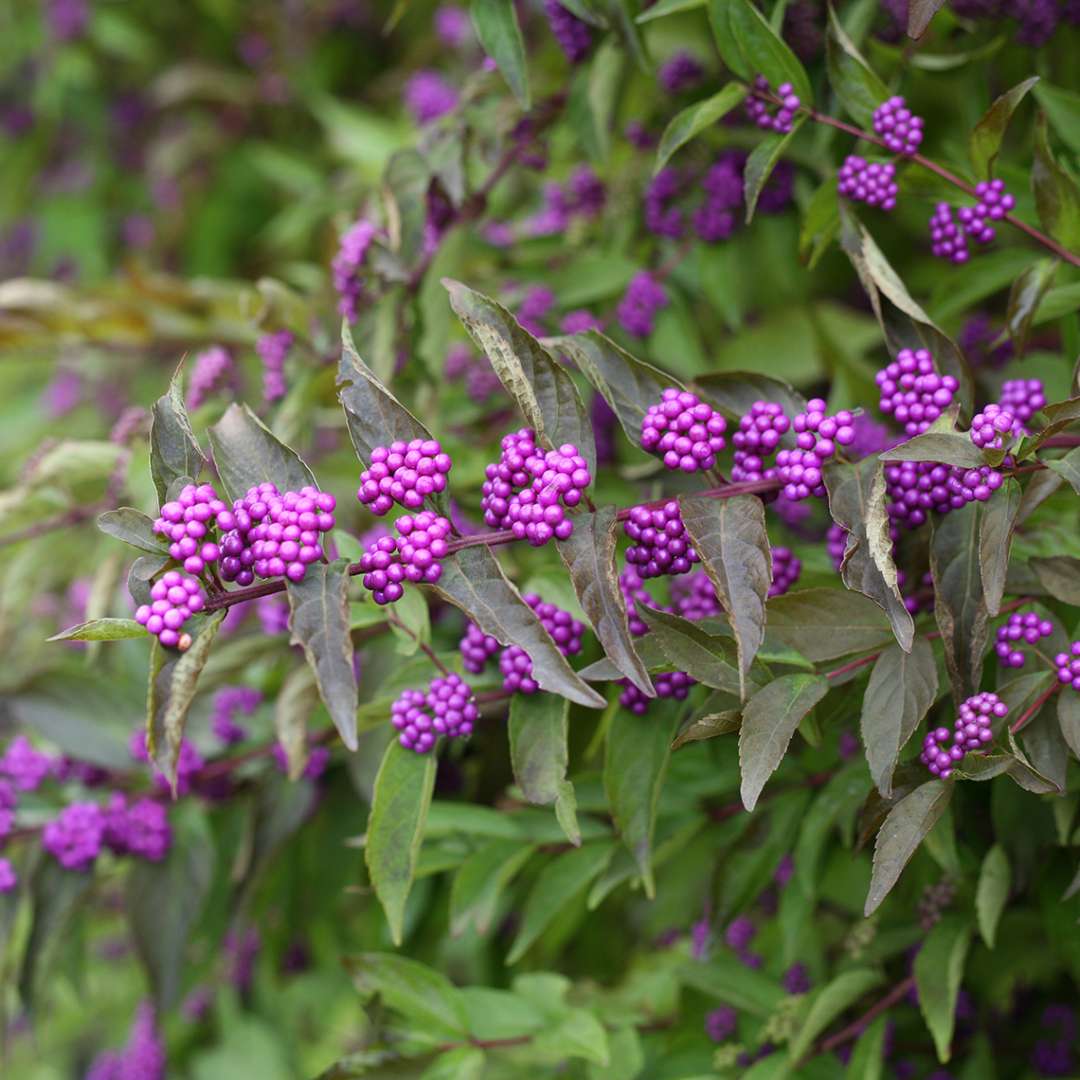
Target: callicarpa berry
912	392
786	568
187	523
993	204
9	880
347	265
870	182
994	427
75	837
947	239
817	437
413	556
694	597
661	218
450	701
637	309
476	648
836	545
518	461
1022	397
572	34
537	514
405	473
685	430
212	369
1068	666
566	631
721	1023
761	99
669	684
174	599
408	714
24	767
428	96
273	349
228	702
898	127
141	828
534	309
759	435
715	219
659	541
634	592
681	72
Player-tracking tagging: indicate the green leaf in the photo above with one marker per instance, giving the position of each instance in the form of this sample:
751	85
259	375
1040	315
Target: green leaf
939	969
593	97
497	28
132	527
690	648
669	7
319	621
589	556
920	12
175	683
174	450
868	1055
538	730
769	721
823	624
402	796
102	630
959	602
1025	296
852	79
995	542
627	384
295	703
627	1056
247	453
461	1063
1057	198
1060	576
726	979
901	690
544	391
1068	713
903	831
761	162
1067	467
986	138
565	878
992	892
690	122
635	763
566	812
165	899
730	539
857	502
947	447
473	581
1063	109
820	223
418	992
749	45
828	1003
480	881
734	392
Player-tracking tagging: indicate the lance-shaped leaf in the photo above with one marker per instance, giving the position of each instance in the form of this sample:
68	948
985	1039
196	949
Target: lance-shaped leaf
473	581
920	12
959	601
939	970
417	991
828	1003
173	689
1025	296
823	624
1057	197
749	45
901	690
496	25
857	502
770	718
589	555
1060	576
538	751
761	162
295	703
174	450
901	834
690	122
690	648
992	892
730	539
319	621
734	392
635	763
399	809
544	391
1068	715
1068	467
102	630
947	447
132	527
986	137
995	542
246	453
627	384
856	85
481	879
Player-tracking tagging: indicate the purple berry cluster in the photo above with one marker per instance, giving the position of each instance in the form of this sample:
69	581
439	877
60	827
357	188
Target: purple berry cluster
537	513
427	96
187	522
786	568
897	126
947	239
915	489
993	203
681	72
871	182
1020	629
694	597
836	545
273	350
912	391
414	555
1022	397
347	264
213	368
685	430
318	760
634	592
994	428
1068	666
229	702
75	837
817	437
477	648
659	541
715	219
661	218
447	708
759	435
24	768
174	599
405	473
670	684
511	473
140	828
637	309
270	534
972	731
515	663
761	99
572	34
9	880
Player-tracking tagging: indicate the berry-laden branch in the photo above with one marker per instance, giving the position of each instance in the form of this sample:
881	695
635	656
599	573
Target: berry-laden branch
857	1027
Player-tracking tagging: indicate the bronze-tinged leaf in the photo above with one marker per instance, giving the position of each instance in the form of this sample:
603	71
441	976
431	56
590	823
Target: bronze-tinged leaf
174	450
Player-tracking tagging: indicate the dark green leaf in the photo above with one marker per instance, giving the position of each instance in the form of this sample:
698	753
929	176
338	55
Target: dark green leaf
868	1056
538	729
769	720
319	621
749	45
760	164
691	649
1063	109
544	391
901	690
950	448
694	119
102	630
992	892
473	581
852	79
826	623
1045	748
857	502
730	539
920	12
418	992
820	223
988	133
995	542
247	453
461	1063
403	790
939	970
1068	714
899	837
828	1003
669	7
295	703
566	812
132	527
497	28
589	555
174	450
1068	467
143	570
734	392
1060	576
481	879
635	764
1057	198
726	979
593	96
1025	297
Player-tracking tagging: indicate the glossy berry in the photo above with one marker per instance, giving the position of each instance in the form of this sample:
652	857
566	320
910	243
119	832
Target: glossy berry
74	838
786	568
685	430
670	684
174	599
947	239
476	648
761	100
566	631
870	182
914	489
572	34
188	522
637	309
836	545
660	544
410	716
994	427
537	513
414	555
1068	666
994	202
1022	397
519	460
141	828
452	707
938	757
758	437
403	473
516	668
912	392
973	727
817	437
899	129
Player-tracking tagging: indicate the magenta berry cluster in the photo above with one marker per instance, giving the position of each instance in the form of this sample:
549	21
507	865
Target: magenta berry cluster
1018	630
912	391
414	555
897	126
871	182
230	701
572	34
347	265
836	545
273	350
694	597
75	837
685	430
917	488
1022	397
634	592
660	544
1068	666
817	437
537	513
446	708
769	114
187	521
637	309
670	684
477	648
405	473
173	600
759	435
213	367
566	631
511	473
994	428
786	568
993	203
947	238
139	828
972	731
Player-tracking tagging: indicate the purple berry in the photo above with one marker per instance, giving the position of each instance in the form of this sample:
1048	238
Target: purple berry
213	368
74	838
637	309
634	591
1068	666
670	684
681	72
141	828
761	99
758	437
1023	398
273	350
786	567
477	648
409	716
947	240
659	541
537	513
870	182
899	129
8	878
694	597
403	473
994	427
565	631
452	706
912	392
686	431
347	265
573	34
